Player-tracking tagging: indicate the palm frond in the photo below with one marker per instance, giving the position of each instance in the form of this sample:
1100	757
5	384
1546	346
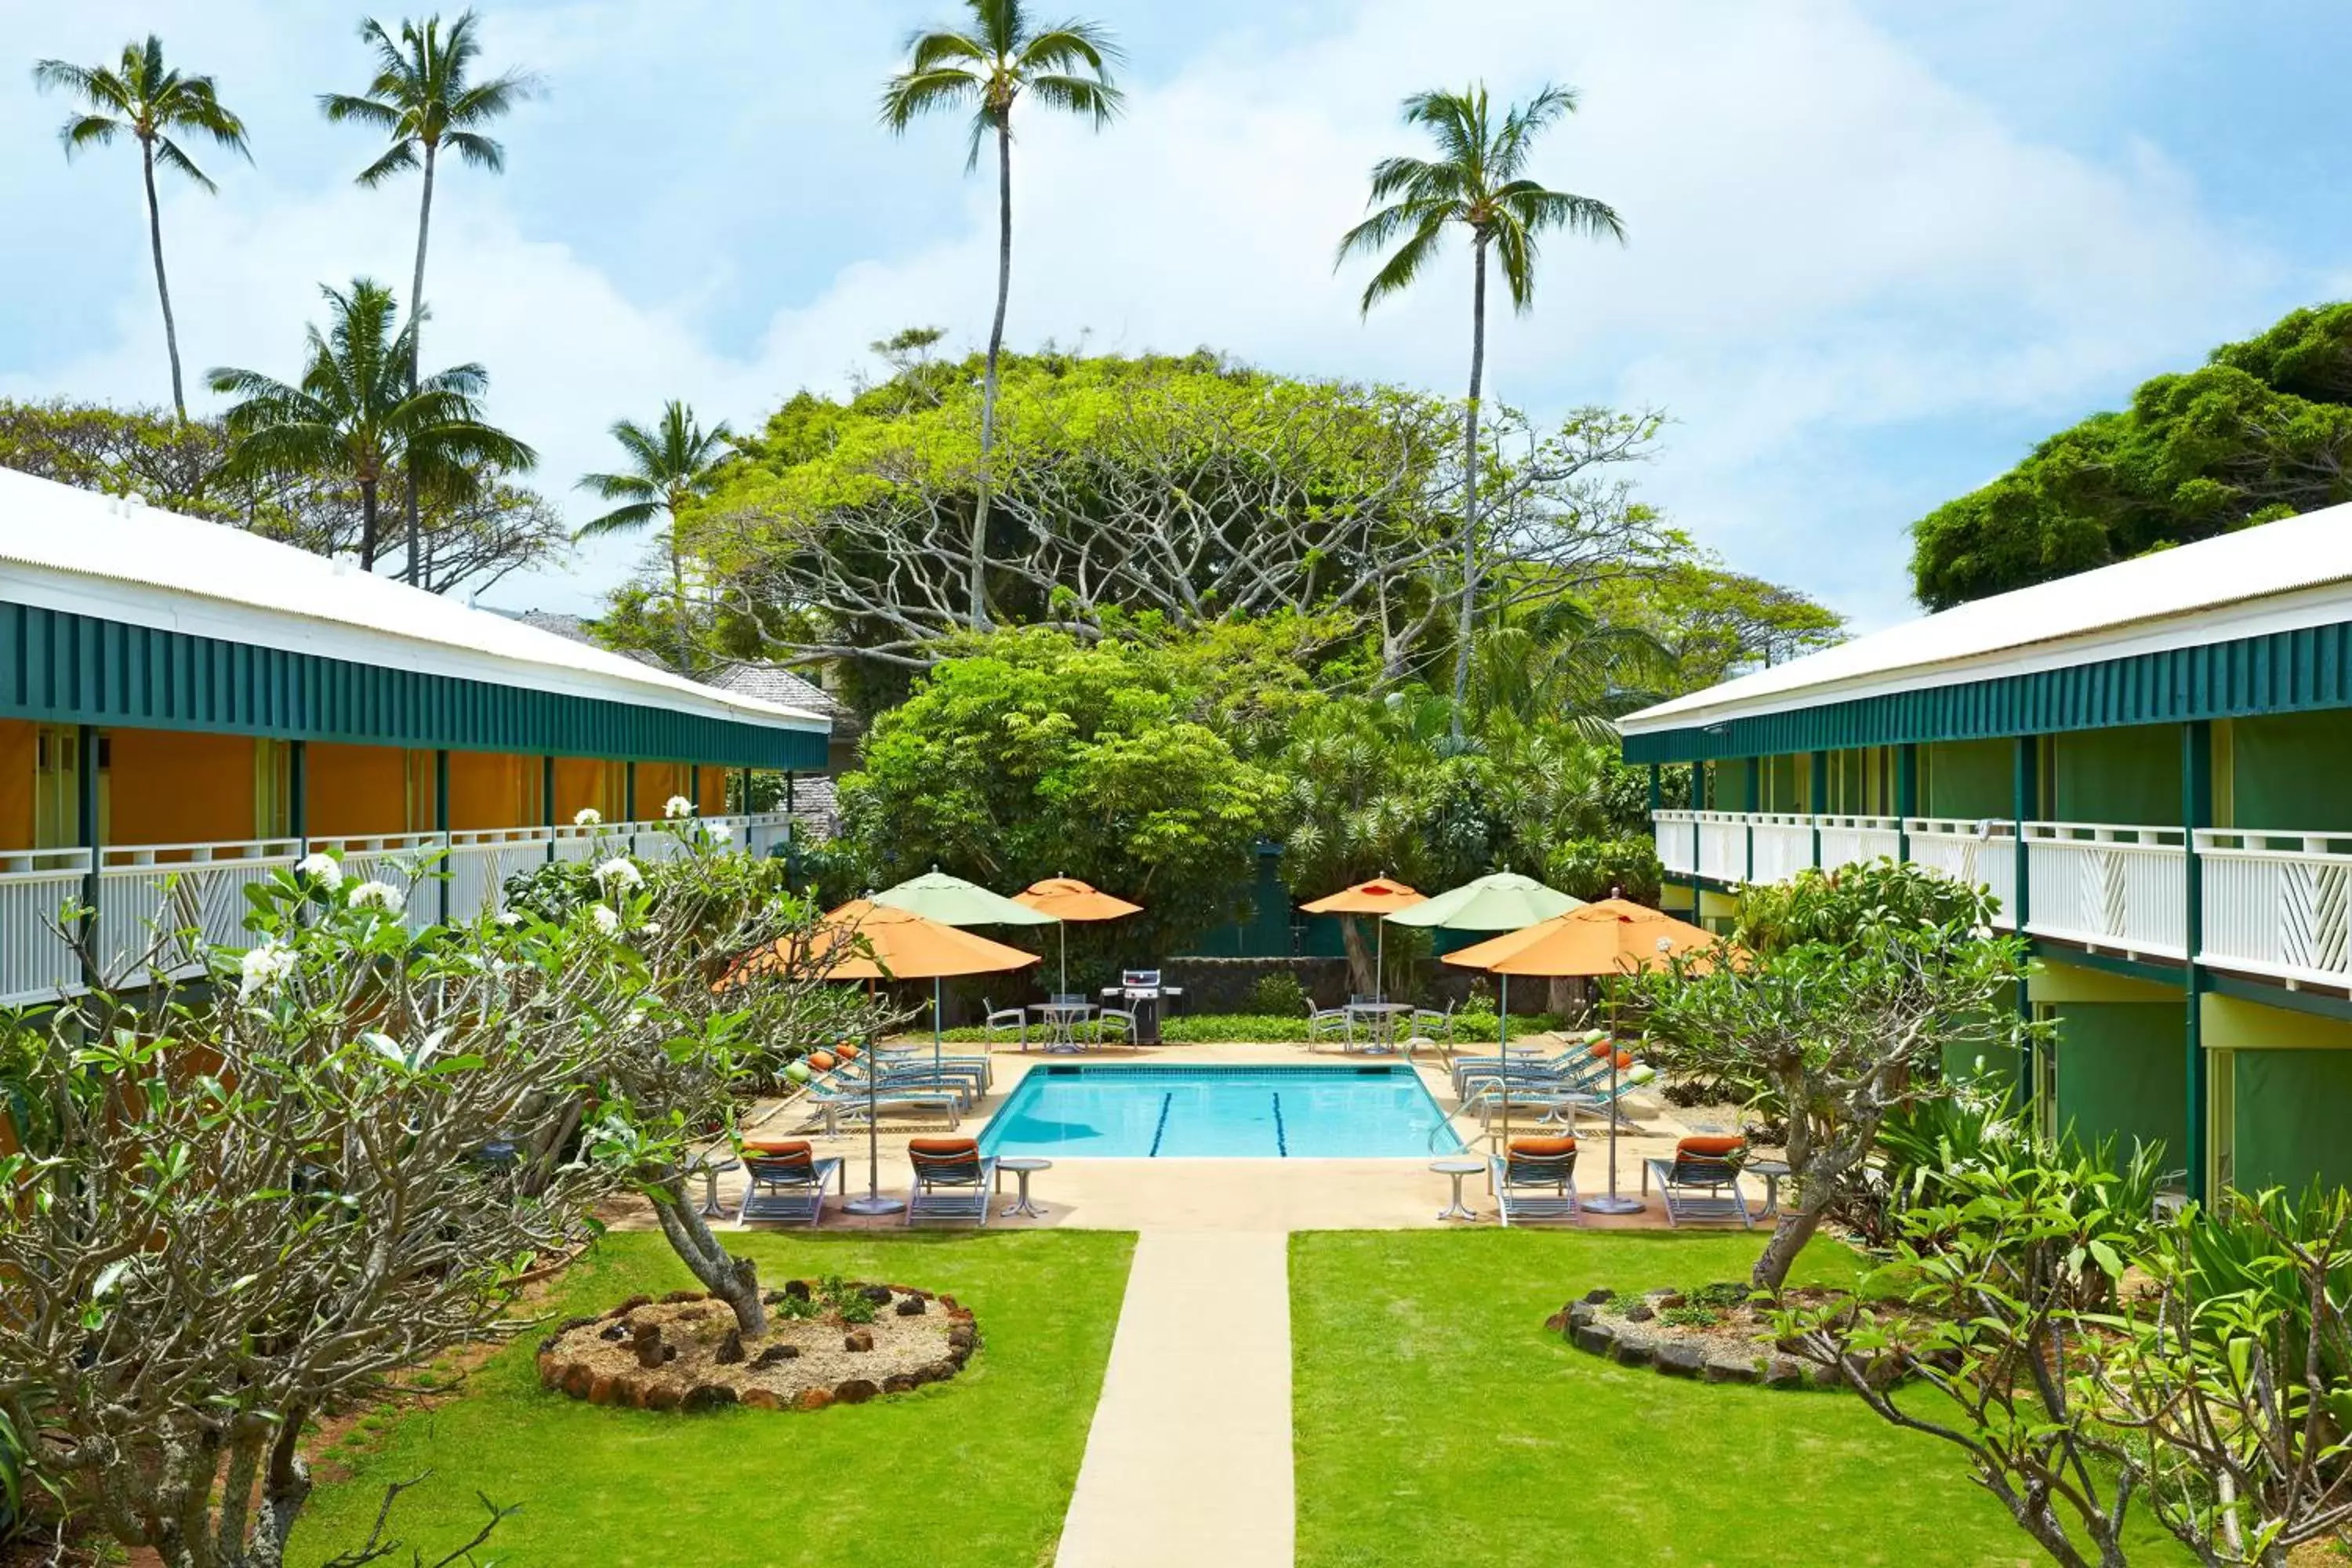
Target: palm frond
1100	101
620	519
930	51
1401	269
1065	45
83	130
1374	233
398	159
168	153
916	93
477	149
340	107
96	84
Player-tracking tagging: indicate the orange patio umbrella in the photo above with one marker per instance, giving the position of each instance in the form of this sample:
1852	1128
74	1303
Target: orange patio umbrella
867	940
1067	899
1611	936
1381	896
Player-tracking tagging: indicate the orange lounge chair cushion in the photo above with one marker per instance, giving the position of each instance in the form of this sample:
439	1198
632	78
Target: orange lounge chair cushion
776	1148
1600	1048
942	1147
1715	1144
821	1060
1542	1148
847	1053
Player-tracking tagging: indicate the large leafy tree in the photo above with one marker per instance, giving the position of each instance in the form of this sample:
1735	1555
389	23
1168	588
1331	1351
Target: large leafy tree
159	108
675	462
1064	67
360	411
1477	181
2263	431
425	97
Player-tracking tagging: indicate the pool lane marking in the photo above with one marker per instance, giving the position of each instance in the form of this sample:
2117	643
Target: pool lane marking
1281	1140
1161	1131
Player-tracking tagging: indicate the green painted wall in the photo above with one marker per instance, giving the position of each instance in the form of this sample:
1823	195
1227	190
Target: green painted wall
1787	780
1965	779
2289	769
2129	775
2122	1070
2295	1119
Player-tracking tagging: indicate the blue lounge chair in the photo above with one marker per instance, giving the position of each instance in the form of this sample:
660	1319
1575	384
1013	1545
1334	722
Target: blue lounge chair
784	1181
1535	1179
952	1180
1702	1181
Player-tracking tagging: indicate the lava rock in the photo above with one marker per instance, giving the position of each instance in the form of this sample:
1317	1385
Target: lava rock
878	1294
964	1337
647	1342
776	1354
631	1305
660	1396
615	1333
1781	1371
763	1399
1582	1313
577	1381
1598	1294
677	1298
670	1354
1632	1350
1725	1370
814	1399
856	1391
1680	1361
1594	1338
1639	1313
730	1349
798	1289
1662	1300
706	1397
911	1307
859	1340
898	1383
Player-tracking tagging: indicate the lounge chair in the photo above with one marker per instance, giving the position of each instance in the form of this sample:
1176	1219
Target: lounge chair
1569	1073
836	1102
1535	1178
784	1181
952	1180
1589	1049
1702	1181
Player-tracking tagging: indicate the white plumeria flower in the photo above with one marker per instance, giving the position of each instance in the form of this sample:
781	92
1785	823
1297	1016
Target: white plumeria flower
606	921
721	833
509	918
1982	934
1666	944
678	806
586	817
652	928
322	868
379	896
619	873
264	968
635	1020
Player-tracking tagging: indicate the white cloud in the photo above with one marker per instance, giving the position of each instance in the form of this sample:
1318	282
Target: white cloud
1832	254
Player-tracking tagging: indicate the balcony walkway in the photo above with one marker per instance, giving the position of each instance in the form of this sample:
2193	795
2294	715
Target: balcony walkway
2274	902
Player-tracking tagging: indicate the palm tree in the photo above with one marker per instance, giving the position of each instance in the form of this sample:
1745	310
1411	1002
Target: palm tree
1475	181
422	97
669	465
152	102
1066	67
361	412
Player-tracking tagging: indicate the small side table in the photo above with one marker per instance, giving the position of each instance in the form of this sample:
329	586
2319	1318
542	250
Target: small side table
1771	1171
1457	1169
1022	1167
710	1166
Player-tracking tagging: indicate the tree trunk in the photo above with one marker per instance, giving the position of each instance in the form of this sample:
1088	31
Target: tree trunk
1465	629
1359	955
734	1280
1795	1228
367	525
417	353
677	599
162	288
284	1489
979	564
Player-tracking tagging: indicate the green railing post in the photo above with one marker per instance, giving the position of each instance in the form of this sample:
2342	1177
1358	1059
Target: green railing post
547	801
441	826
92	844
2196	811
629	789
1818	800
298	795
2022	784
1906	797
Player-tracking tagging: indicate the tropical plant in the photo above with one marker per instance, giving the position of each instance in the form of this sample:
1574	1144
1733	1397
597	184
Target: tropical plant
158	106
424	98
1065	66
1476	181
360	411
670	464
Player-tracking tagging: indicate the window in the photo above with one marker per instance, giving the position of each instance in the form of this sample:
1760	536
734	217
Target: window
273	789
57	787
421	792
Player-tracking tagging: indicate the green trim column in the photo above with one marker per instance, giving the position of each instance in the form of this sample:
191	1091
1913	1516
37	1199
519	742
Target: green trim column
2022	782
441	826
1817	801
1906	797
547	800
92	840
297	795
2196	811
629	789
1753	789
694	785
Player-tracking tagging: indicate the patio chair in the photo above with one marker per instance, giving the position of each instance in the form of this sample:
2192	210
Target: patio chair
1535	1179
1702	1181
952	1180
1000	1019
1327	1024
1430	1028
1115	1024
784	1181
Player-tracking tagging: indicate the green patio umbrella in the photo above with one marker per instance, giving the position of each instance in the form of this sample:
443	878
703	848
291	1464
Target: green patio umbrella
953	902
1504	901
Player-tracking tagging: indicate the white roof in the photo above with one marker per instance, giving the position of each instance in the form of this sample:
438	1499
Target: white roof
76	551
2280	576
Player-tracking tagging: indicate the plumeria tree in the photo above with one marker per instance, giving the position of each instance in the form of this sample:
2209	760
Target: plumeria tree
235	1210
1845	994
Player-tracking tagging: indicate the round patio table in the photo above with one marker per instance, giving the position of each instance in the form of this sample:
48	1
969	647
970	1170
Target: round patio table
1061	1020
1384	1016
1023	1166
1457	1168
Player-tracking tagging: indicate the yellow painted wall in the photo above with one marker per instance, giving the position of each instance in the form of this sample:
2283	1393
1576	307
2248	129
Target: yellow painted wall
656	782
168	787
2048	980
359	790
714	792
493	789
16	765
587	782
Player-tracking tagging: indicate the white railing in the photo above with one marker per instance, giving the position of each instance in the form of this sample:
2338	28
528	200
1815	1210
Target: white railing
36	962
1981	853
1780	847
2109	886
171	899
1723	846
765	833
1675	849
412	862
1852	840
2275	902
480	861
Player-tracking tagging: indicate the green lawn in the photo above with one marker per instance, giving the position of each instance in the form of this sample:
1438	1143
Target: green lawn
1437	1424
976	1471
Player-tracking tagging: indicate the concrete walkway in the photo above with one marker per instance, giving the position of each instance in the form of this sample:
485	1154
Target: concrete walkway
1188	1462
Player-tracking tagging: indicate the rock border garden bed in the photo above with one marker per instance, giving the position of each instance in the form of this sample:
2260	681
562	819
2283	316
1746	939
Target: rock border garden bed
828	1342
1637	1331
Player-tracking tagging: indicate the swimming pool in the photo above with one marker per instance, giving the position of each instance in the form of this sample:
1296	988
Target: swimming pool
1122	1113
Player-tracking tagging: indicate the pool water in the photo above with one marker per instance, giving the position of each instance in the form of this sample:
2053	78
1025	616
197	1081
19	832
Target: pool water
1168	1112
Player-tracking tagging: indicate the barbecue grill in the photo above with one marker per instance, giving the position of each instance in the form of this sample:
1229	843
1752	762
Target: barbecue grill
1139	992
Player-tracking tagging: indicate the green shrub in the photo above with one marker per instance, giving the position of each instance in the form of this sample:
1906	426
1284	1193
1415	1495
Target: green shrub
1278	994
1690	1317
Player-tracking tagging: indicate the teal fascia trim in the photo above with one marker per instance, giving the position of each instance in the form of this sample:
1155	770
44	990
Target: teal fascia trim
64	668
2279	672
2317	1003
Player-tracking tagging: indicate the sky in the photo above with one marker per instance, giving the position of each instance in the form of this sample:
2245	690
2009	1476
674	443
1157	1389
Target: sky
1874	251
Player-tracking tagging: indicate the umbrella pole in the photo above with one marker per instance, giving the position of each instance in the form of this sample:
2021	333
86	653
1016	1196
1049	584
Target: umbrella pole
1380	959
1614	1203
873	1202
1061	931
